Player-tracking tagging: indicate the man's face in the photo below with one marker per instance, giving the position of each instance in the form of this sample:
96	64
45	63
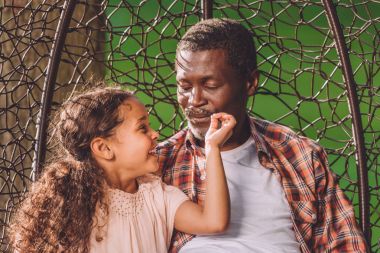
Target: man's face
206	84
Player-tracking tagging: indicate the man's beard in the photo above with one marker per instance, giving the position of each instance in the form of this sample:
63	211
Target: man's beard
198	132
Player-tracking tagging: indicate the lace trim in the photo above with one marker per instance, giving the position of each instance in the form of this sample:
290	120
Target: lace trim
126	204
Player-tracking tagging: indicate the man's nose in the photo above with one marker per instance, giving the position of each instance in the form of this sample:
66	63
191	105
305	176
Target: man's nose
197	97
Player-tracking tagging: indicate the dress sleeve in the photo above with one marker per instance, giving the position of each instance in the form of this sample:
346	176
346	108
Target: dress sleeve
173	197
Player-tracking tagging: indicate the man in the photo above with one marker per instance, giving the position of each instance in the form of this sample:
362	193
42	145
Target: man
283	196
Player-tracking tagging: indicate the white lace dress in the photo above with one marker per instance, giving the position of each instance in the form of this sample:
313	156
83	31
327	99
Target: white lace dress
140	222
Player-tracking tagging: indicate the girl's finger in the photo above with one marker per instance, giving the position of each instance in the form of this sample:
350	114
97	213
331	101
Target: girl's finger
214	122
222	120
222	116
228	120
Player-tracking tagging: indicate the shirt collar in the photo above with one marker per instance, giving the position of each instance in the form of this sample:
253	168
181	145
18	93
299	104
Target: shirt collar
190	141
261	144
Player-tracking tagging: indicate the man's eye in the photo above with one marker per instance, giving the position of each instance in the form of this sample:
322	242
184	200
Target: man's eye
184	87
211	86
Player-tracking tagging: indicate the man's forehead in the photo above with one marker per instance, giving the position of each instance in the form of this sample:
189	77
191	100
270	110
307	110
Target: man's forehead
186	56
204	62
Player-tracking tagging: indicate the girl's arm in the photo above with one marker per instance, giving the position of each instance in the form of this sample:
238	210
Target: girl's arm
214	216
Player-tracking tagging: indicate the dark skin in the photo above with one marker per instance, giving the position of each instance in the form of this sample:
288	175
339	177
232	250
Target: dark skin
208	84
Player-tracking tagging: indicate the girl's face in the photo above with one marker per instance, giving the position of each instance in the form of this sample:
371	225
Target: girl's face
133	142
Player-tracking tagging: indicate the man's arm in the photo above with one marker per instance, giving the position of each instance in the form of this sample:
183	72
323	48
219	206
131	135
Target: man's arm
336	229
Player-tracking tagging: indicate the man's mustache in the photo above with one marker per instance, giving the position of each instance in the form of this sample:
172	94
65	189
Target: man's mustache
197	111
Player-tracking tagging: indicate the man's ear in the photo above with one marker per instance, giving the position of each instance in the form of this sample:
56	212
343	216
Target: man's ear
101	149
252	82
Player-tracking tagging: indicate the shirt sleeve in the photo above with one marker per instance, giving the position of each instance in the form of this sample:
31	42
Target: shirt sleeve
336	230
174	197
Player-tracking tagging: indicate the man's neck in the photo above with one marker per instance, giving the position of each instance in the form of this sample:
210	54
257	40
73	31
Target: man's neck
238	138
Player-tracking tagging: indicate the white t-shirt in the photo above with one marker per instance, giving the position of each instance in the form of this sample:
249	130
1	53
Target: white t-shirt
260	214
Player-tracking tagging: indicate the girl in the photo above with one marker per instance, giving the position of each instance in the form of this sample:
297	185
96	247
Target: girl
103	197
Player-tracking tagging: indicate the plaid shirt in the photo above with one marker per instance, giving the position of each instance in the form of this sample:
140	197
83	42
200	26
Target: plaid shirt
322	216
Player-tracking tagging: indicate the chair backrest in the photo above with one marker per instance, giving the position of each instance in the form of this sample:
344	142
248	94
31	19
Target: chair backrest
319	66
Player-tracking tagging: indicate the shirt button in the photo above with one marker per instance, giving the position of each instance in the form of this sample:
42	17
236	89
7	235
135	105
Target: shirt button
314	217
203	177
175	243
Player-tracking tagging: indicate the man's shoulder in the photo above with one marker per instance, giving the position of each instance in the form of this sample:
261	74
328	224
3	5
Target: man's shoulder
277	135
273	132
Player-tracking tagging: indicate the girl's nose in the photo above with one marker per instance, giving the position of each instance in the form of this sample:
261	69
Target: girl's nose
155	135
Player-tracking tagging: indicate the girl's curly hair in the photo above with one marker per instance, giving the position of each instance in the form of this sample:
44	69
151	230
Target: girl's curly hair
58	213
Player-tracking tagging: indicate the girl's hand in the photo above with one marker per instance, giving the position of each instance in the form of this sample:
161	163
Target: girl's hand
220	130
214	216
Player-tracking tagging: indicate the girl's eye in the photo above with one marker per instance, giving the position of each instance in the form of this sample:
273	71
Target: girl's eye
143	128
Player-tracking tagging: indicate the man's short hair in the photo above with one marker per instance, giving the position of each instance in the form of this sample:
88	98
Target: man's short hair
226	34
